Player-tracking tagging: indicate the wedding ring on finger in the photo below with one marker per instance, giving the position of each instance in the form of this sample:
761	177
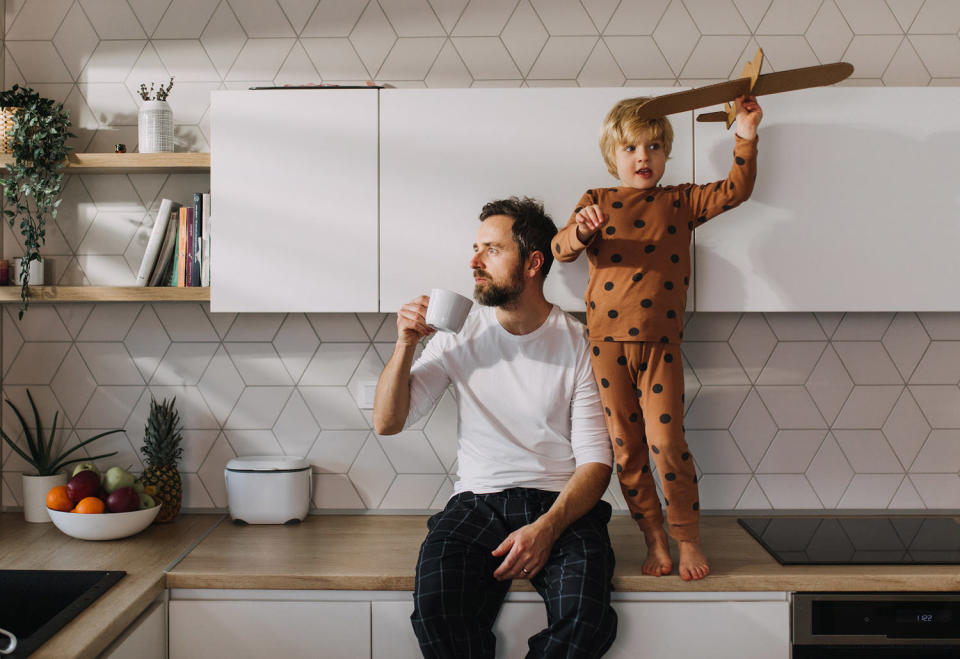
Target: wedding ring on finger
524	572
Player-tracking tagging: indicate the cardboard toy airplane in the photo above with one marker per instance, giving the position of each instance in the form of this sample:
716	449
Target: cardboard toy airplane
750	82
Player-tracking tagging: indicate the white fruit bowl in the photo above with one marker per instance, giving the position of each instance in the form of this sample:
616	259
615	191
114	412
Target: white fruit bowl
105	526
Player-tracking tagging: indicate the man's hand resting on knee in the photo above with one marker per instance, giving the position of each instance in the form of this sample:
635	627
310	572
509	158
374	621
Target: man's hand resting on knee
527	550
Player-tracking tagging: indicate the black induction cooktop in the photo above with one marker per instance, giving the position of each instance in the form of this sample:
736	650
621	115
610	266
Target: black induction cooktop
905	540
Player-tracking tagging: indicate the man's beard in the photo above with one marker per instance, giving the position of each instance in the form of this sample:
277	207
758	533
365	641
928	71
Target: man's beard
498	295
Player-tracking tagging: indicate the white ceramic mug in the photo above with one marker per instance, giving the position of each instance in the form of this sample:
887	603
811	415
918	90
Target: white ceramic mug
447	310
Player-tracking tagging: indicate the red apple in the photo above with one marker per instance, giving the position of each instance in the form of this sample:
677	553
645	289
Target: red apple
123	500
84	484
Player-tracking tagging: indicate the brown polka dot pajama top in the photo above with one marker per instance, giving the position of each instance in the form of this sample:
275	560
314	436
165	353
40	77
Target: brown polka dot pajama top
639	274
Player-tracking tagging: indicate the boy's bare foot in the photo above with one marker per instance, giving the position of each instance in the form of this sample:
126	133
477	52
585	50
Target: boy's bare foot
658	561
693	564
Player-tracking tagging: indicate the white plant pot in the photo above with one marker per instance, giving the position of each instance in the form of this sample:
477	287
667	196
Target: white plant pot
35	490
155	127
34	277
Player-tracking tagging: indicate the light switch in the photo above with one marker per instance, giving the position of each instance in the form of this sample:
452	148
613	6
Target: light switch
367	392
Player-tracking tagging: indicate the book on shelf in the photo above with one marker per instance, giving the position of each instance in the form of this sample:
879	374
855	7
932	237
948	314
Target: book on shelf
205	242
160	275
182	236
188	260
151	257
197	238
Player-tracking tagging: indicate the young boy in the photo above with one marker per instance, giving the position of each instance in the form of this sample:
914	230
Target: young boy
637	238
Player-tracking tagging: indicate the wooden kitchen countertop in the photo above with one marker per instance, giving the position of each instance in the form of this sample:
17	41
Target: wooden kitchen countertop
370	552
144	557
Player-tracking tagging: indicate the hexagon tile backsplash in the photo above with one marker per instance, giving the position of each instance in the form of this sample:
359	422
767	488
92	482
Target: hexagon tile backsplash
785	411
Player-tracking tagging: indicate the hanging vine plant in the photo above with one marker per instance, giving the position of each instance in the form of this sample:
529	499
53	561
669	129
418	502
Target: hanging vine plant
33	181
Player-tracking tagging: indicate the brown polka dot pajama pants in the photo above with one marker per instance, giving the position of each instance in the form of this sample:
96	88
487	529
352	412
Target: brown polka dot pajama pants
641	386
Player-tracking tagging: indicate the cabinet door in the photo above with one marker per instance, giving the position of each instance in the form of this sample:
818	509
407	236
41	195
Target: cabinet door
145	638
444	153
293	177
855	206
393	636
214	629
694	630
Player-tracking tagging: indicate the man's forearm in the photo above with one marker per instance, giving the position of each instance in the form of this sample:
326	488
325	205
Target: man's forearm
392	401
578	497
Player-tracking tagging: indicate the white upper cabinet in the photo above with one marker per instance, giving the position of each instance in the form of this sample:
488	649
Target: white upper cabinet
856	207
445	153
293	177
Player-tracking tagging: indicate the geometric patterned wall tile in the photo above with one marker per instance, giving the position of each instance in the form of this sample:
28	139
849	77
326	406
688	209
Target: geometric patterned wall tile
564	17
940	364
113	19
486	58
905	341
941	326
75	40
938	490
753	429
828	34
633	16
482	17
335	492
221	385
939	454
332	18
906	497
295	343
601	70
41	323
410	453
36	363
368	372
677	36
196	445
870	491
829	321
935	17
786	52
870	54
829	473
335	450
716	17
211	471
906	428
753	497
715	452
109	408
109	322
791	451
183	19
260	59
410	58
185	322
789	491
441	430
906	68
753	342
446	491
38	61
333	408
183	363
110	363
794	326
113	60
868	451
193	409
222	38
337	327
295	429
12	341
639	57
195	495
562	57
253	442
791	362
261	19
791	407
412	491
258	363
867	362
940	404
715	407
722	491
906	10
869	17
373	37
73	385
333	364
372	473
939	53
788	17
524	36
714	326
36	19
867	407
829	385
371	322
714	363
862	327
412	18
258	407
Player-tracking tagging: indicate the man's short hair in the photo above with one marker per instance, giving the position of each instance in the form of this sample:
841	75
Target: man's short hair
621	126
532	227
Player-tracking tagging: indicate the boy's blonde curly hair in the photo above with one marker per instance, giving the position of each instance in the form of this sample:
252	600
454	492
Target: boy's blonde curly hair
621	126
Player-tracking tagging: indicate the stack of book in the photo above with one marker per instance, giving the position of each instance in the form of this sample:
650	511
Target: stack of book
178	252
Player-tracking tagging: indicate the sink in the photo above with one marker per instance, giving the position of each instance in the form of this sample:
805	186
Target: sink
35	604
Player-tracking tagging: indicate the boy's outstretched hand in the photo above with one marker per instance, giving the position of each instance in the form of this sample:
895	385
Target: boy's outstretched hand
749	115
589	219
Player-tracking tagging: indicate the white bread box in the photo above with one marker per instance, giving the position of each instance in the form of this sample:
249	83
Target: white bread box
268	489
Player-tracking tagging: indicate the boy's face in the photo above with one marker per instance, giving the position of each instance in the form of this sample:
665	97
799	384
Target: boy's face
641	164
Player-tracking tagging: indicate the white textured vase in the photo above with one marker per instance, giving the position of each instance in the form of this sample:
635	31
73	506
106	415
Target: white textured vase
34	276
35	490
155	127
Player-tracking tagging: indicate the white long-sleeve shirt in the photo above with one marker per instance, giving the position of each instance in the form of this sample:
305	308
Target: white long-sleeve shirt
528	407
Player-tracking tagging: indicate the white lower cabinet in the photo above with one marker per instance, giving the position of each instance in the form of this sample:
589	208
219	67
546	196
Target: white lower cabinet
358	624
145	638
245	628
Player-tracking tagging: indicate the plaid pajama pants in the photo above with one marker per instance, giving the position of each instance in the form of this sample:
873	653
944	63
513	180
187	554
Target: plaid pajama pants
456	598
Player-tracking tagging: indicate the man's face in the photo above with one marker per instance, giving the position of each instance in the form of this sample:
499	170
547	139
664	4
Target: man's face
497	270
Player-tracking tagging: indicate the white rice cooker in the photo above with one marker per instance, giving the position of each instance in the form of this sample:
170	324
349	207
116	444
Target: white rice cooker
268	489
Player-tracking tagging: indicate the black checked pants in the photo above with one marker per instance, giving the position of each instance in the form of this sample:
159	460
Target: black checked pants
456	598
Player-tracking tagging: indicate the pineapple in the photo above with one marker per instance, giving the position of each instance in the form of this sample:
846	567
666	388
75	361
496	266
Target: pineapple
161	448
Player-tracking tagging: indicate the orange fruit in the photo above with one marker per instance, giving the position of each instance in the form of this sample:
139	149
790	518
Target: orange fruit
57	499
90	505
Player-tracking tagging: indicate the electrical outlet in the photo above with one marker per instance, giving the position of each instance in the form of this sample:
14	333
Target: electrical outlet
367	392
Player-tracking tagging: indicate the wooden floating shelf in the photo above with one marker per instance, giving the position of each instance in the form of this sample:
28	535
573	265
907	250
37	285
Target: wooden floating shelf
131	163
107	294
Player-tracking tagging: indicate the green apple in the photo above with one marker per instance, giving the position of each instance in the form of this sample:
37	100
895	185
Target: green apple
138	486
146	501
117	477
85	466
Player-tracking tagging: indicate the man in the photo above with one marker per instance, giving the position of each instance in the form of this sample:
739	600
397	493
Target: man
533	453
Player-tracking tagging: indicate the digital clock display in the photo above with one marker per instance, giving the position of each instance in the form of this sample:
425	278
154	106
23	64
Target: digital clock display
923	616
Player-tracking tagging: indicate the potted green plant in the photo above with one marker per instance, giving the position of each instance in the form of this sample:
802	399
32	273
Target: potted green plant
47	458
36	134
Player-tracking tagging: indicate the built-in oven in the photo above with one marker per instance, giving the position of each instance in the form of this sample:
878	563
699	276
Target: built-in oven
876	625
